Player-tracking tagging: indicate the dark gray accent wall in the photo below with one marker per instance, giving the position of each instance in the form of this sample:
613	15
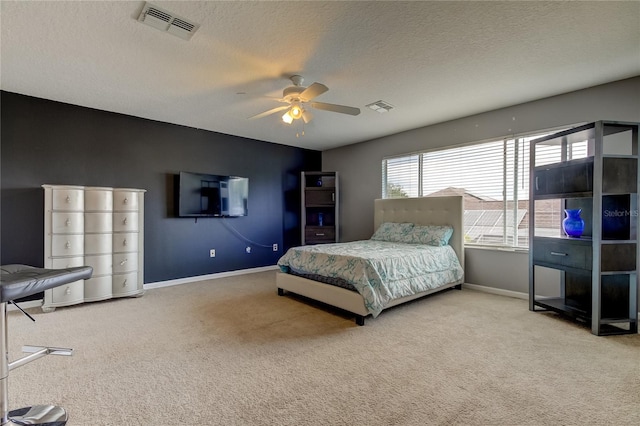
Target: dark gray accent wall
46	142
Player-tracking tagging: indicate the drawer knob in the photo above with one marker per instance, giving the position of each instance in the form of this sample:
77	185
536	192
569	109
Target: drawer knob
67	291
67	222
124	283
557	253
124	222
124	243
68	199
123	262
67	245
126	201
319	235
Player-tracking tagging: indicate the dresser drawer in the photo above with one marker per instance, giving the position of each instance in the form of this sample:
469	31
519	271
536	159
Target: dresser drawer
98	288
68	294
125	242
125	262
67	262
125	222
125	284
67	245
98	222
102	264
97	244
67	222
98	199
319	233
567	253
67	199
125	200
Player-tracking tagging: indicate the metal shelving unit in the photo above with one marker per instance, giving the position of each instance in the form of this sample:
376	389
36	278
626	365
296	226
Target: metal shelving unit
593	167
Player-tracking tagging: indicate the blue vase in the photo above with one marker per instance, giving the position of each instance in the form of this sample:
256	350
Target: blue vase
573	224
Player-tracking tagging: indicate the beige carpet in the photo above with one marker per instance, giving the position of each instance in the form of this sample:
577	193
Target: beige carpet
231	352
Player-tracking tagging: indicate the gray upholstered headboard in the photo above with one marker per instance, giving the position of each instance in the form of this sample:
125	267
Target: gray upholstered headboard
425	211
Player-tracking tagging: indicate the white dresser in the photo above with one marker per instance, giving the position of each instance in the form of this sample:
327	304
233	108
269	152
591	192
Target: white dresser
95	226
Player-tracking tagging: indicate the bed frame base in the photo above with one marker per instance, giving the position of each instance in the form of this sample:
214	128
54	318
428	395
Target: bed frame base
347	300
359	318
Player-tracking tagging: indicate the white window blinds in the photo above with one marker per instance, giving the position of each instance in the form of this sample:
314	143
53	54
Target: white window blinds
492	176
401	177
477	169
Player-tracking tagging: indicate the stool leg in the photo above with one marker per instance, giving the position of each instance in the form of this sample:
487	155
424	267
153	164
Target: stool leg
4	366
50	415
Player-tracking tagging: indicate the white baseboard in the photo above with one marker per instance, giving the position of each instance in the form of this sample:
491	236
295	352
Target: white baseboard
498	291
187	280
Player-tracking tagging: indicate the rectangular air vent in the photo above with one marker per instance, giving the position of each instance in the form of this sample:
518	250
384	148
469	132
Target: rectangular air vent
380	106
164	20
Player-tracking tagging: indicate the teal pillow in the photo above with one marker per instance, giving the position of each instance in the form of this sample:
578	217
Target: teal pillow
433	235
393	232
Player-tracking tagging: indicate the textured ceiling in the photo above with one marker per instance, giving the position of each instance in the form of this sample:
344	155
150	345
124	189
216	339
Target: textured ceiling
433	61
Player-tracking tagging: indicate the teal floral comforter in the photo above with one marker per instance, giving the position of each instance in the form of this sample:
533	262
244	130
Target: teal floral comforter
381	271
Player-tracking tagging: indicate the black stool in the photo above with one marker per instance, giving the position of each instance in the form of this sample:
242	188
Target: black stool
18	281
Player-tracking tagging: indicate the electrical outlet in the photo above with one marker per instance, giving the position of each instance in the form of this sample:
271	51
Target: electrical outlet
275	247
212	253
248	249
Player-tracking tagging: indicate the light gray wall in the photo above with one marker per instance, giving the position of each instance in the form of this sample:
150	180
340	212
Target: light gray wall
481	264
360	165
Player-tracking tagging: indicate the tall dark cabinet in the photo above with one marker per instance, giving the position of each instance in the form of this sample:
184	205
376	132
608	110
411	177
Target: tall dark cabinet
593	168
319	207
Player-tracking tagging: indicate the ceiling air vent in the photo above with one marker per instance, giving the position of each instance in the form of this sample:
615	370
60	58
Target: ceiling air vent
164	20
380	106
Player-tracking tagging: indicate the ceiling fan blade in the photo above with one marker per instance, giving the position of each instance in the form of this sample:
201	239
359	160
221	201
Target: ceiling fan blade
342	109
311	92
307	116
271	111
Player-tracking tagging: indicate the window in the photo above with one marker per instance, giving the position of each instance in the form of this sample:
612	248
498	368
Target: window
405	177
493	178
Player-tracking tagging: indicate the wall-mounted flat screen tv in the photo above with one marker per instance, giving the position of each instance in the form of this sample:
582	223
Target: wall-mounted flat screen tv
205	195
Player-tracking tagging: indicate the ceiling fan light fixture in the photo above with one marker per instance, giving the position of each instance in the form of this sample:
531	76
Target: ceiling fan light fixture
287	118
296	112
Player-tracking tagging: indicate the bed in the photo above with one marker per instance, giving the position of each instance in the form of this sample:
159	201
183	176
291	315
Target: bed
300	266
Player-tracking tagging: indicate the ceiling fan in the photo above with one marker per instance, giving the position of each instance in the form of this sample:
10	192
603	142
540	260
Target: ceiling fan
299	98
